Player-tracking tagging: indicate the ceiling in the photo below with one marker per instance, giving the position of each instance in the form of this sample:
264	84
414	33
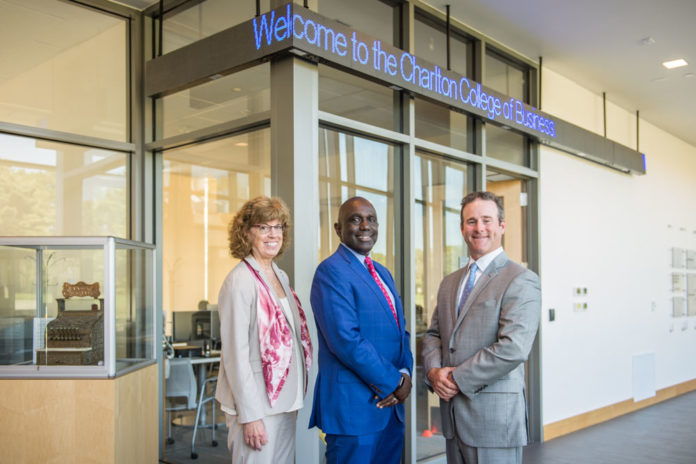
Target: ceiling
599	45
137	4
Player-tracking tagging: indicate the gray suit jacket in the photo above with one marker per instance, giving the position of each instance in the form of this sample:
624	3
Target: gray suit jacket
241	386
488	343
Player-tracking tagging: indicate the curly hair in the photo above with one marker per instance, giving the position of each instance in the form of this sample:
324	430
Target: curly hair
259	210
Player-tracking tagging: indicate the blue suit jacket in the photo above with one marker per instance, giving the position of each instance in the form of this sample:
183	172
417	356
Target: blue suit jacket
361	348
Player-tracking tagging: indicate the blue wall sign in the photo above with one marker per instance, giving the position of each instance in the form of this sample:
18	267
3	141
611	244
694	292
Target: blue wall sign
309	32
294	29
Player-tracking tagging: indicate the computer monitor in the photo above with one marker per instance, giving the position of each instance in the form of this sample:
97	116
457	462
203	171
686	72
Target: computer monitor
201	325
189	326
215	325
181	325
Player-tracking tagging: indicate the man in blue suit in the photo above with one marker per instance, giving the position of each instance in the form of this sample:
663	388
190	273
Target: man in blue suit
365	359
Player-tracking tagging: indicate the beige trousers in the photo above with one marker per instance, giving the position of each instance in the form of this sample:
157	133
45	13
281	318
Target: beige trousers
280	448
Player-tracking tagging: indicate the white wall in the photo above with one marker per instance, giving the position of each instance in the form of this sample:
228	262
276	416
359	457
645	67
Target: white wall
611	233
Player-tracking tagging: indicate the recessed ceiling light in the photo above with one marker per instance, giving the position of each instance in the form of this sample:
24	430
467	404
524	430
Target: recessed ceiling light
647	41
674	63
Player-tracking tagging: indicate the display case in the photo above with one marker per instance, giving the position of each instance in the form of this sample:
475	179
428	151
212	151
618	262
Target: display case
76	307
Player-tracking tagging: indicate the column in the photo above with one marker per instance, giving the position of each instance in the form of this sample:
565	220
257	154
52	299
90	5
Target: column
294	177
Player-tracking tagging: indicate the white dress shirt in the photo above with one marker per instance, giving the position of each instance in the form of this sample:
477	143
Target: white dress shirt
481	263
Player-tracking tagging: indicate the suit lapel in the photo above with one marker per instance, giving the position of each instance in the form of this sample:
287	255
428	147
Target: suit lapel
490	273
364	274
454	302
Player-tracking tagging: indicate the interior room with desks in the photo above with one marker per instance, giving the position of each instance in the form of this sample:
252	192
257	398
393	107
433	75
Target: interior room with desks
191	364
200	193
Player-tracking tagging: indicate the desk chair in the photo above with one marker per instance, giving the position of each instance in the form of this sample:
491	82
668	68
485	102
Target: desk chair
180	384
203	399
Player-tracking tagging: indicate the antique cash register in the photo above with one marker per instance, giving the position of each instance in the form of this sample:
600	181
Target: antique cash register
76	336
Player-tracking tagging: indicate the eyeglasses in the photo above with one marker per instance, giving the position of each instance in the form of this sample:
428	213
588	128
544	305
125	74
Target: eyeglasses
265	229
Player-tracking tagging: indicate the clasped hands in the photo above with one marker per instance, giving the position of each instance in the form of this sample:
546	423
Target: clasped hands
399	395
442	382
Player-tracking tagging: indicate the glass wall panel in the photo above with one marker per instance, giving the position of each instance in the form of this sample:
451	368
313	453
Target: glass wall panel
440	186
202	19
355	166
352	97
369	16
134	305
431	45
18	307
50	188
49	290
514	194
509	78
506	145
229	98
506	77
20	314
64	67
203	187
438	124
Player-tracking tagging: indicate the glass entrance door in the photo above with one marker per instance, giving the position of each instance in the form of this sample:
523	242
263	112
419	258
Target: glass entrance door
440	186
514	194
203	186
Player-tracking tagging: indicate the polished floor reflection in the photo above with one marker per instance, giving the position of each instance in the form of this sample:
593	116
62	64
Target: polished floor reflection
661	434
179	452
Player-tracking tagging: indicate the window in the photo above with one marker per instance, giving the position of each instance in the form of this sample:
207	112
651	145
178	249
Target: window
354	98
50	188
439	124
64	67
370	16
199	19
514	193
440	186
506	145
510	78
229	98
204	185
506	76
355	166
431	44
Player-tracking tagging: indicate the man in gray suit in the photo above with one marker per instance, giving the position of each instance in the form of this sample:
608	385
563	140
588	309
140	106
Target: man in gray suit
482	330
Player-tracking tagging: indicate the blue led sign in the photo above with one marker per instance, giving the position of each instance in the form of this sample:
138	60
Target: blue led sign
273	27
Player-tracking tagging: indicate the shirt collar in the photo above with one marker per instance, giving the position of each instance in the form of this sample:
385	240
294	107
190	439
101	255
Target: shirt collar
360	257
483	262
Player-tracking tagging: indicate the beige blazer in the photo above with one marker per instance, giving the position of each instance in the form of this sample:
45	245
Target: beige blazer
488	344
240	384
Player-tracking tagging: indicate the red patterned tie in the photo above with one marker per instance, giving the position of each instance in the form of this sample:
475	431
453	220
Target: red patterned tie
373	273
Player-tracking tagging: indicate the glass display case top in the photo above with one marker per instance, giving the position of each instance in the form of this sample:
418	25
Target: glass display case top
76	306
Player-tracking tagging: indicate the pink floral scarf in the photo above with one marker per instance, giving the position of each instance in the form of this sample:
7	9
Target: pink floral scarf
275	339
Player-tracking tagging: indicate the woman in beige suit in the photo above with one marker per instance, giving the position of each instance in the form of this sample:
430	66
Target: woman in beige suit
266	350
